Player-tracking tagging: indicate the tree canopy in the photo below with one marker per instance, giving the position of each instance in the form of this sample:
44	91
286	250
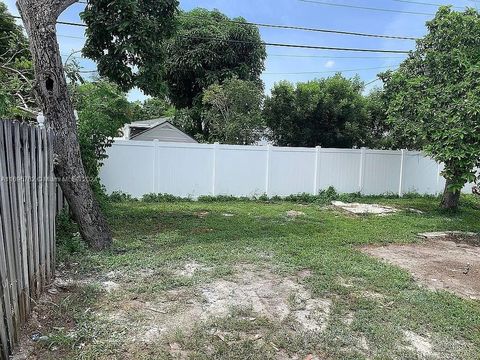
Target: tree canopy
234	111
208	48
434	96
125	38
154	108
16	73
330	112
103	109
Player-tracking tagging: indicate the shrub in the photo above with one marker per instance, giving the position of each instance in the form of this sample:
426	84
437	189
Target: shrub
120	196
152	198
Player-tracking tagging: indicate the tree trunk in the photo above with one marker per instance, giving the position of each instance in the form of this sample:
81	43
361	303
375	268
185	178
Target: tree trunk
450	198
39	18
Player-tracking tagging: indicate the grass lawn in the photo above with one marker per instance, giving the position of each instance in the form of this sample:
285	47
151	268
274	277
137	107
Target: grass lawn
242	280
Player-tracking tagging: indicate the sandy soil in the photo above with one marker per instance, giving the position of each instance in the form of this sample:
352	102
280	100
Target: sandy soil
361	209
439	263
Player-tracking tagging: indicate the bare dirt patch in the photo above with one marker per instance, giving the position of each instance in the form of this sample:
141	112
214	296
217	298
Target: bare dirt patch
438	263
361	209
266	294
191	268
418	343
292	214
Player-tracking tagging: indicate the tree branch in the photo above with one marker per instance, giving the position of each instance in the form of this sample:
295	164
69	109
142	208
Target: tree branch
63	5
16	72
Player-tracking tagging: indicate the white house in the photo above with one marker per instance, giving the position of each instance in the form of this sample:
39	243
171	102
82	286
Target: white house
156	129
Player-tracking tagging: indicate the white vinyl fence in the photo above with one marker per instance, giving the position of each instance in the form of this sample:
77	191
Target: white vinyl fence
191	170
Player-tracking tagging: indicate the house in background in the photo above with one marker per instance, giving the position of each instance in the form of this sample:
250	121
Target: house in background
156	129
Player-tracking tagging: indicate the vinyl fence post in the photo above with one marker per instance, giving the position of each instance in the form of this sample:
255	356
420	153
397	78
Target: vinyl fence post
214	172
267	171
315	179
361	176
400	183
156	146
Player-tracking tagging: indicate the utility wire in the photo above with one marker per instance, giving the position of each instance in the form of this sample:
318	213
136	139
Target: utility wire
366	8
327	71
297	73
427	4
313	47
371	82
340	32
336	57
290	27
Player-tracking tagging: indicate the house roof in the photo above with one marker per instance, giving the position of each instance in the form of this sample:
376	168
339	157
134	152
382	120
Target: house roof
149	123
157	123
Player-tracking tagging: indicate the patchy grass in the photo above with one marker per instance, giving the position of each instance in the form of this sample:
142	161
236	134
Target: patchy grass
172	262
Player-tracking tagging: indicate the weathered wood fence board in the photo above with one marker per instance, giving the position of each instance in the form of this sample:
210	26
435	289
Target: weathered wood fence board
28	207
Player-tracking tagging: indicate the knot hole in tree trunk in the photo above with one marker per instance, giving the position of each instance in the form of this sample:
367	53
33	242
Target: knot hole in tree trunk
49	84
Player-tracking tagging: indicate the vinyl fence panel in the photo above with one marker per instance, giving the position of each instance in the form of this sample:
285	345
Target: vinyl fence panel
192	170
339	168
230	165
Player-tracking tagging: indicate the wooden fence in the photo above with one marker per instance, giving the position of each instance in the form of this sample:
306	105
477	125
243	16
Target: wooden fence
28	205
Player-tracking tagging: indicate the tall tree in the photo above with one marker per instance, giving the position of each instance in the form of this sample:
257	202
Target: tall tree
154	108
327	112
434	97
234	111
103	109
125	38
17	99
208	48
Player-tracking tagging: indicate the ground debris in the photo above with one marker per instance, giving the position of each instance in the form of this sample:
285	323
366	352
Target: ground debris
359	209
419	344
294	214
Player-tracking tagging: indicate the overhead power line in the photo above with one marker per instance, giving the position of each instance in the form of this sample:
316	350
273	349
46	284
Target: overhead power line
293	27
337	57
371	82
339	32
327	71
427	3
366	8
313	47
86	71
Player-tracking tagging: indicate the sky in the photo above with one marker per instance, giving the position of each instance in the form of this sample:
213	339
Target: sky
302	65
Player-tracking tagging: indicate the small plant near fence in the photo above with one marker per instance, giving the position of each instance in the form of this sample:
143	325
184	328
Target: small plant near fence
324	197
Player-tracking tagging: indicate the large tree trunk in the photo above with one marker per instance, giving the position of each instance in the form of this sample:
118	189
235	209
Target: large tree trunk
39	18
450	198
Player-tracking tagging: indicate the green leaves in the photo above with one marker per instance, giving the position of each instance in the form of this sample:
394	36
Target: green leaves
329	112
209	48
435	94
16	74
102	110
125	38
234	111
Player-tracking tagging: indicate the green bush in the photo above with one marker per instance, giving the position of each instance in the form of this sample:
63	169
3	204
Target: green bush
120	196
68	239
152	198
322	198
